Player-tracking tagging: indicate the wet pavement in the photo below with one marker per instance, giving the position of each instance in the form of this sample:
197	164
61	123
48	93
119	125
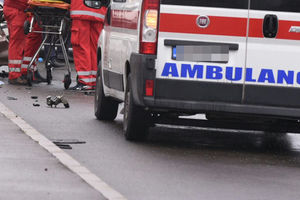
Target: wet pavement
176	162
27	171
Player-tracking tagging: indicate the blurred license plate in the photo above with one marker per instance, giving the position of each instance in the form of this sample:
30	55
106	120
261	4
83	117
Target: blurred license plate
219	54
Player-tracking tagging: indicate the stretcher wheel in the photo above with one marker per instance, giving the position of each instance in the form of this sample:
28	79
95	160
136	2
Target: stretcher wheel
67	81
29	78
49	76
26	27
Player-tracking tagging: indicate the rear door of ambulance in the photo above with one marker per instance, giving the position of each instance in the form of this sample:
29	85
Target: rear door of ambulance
273	54
201	50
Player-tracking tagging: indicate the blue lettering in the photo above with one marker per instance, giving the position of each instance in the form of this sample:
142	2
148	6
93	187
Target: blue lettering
214	72
237	74
188	71
249	77
283	76
266	75
298	78
170	69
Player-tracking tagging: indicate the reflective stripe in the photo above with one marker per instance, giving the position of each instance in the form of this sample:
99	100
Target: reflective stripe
88	13
15	62
14	69
86	73
27	58
88	80
83	73
24	66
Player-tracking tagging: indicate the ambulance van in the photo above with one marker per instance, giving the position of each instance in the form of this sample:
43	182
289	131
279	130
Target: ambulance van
233	60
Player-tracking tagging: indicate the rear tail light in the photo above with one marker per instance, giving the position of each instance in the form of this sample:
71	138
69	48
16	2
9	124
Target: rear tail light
149	27
149	88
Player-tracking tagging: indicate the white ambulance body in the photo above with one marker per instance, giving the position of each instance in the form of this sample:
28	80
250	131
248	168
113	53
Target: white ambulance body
221	58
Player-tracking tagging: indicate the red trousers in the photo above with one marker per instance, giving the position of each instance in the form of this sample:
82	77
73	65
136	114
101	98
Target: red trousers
15	21
19	44
84	38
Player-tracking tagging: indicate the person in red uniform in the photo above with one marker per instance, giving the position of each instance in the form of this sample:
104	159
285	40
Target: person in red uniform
18	42
87	24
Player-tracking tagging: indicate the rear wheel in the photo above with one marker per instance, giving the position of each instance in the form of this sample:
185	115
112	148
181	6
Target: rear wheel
105	108
136	119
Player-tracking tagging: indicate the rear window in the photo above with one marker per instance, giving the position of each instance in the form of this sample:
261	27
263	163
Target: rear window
241	4
276	5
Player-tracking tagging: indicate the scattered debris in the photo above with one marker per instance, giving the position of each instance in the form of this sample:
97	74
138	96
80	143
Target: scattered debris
54	101
12	98
66	143
64	146
34	97
36	105
28	88
46	169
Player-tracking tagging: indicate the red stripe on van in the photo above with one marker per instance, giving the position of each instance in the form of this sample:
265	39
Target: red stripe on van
227	26
256	29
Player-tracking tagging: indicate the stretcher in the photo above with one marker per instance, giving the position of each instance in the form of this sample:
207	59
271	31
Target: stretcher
53	17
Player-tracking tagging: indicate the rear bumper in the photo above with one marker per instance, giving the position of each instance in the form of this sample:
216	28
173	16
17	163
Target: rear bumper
195	97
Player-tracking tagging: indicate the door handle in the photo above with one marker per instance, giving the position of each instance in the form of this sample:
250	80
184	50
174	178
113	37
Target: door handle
270	27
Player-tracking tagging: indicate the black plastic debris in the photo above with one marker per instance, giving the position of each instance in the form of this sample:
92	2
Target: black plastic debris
66	143
63	146
12	98
34	97
36	104
54	101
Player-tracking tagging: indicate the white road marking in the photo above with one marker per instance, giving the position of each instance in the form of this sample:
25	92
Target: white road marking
90	178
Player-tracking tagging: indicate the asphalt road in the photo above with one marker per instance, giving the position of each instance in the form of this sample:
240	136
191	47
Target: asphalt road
176	163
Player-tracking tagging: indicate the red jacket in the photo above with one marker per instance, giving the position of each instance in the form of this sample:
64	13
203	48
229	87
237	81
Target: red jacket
18	4
82	12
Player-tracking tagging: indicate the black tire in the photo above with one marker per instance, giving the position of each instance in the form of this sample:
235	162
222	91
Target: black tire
67	81
49	76
136	119
106	108
29	78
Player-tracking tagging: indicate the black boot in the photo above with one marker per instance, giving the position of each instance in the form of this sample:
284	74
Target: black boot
37	78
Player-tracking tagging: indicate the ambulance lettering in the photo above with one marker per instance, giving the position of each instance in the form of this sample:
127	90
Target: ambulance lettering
234	74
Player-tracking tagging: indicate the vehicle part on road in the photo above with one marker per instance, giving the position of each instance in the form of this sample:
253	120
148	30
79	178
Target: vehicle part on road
136	119
65	143
68	141
54	101
105	108
12	98
34	97
64	146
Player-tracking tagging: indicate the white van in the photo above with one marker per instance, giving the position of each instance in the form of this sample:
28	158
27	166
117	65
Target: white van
233	60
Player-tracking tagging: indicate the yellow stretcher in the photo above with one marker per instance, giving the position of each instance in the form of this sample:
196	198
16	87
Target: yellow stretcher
53	18
50	3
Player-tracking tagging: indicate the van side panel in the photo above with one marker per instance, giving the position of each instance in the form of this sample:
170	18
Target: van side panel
273	60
